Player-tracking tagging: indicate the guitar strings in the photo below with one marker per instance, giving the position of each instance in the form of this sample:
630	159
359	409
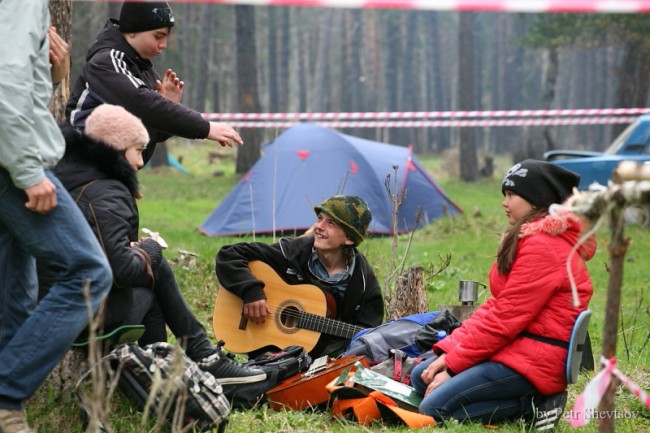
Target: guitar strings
312	318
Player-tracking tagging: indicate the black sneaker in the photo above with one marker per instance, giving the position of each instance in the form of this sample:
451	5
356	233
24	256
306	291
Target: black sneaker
548	410
228	371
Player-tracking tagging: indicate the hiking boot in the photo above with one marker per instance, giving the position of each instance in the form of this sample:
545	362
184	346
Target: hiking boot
13	421
228	371
548	410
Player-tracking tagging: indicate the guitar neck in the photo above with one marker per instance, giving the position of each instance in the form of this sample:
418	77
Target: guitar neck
326	325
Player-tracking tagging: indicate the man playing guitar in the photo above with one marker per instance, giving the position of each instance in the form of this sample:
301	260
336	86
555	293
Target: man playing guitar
326	257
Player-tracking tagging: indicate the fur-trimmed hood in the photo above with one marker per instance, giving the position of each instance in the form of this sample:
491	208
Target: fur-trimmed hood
86	160
563	224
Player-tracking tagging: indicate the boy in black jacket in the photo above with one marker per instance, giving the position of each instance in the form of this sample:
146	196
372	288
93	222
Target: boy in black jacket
327	258
119	71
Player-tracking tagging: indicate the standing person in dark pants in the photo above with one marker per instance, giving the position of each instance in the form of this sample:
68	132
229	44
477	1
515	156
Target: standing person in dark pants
38	220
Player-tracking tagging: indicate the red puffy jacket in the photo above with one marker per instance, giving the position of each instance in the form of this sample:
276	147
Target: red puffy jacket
534	297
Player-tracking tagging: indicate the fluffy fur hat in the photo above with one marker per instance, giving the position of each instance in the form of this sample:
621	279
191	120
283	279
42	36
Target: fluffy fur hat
138	16
540	183
351	212
116	127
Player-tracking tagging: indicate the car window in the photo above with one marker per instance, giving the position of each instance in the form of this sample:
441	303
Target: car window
634	138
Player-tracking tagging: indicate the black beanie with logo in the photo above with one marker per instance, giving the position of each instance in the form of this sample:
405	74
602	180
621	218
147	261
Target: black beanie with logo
138	16
540	183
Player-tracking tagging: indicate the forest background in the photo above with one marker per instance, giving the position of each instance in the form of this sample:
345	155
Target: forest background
304	59
290	59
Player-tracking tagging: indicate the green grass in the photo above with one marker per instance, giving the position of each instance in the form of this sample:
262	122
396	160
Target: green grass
176	204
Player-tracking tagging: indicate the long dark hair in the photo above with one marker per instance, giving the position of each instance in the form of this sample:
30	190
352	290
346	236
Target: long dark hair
510	241
349	251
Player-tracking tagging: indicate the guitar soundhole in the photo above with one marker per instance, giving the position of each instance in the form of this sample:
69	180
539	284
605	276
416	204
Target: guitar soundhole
287	320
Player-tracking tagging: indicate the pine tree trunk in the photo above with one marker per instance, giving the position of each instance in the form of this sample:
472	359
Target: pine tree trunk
248	154
468	158
61	12
205	44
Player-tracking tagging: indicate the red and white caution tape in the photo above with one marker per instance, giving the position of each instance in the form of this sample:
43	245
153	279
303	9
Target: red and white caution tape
587	402
436	123
434	119
633	388
581	112
534	6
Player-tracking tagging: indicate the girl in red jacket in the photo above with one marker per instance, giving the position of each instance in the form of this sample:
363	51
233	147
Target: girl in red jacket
508	359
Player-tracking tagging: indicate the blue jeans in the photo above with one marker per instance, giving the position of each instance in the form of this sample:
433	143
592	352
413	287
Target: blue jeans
488	392
35	336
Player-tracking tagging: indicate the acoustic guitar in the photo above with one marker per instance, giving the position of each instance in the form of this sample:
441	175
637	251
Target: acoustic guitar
298	316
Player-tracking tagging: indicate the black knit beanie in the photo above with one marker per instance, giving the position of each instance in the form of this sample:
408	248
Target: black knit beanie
351	212
138	17
540	183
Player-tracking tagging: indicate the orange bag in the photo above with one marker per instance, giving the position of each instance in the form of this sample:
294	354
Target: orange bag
307	390
364	405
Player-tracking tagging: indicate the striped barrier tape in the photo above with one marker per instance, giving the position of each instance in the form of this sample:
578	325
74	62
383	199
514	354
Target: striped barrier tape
525	6
586	405
428	114
438	123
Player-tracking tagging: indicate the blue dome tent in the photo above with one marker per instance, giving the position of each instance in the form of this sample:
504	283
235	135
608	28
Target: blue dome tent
308	163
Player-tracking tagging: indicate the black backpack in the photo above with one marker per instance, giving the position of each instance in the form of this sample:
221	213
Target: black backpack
277	366
429	334
174	378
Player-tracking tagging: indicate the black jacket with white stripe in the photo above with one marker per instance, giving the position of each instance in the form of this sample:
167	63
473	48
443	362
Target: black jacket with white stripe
115	74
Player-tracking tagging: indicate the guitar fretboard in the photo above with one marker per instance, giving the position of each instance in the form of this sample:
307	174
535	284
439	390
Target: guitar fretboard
326	325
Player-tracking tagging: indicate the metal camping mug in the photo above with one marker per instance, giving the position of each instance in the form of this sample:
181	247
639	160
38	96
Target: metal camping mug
468	291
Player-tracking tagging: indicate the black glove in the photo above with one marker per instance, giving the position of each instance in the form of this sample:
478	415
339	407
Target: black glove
153	250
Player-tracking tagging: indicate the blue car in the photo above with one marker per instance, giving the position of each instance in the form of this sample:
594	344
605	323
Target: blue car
633	144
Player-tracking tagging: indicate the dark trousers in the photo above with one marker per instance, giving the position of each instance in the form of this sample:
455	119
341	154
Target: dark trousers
165	305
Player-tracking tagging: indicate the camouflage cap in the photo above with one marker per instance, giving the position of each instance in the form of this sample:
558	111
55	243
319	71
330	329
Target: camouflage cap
351	212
